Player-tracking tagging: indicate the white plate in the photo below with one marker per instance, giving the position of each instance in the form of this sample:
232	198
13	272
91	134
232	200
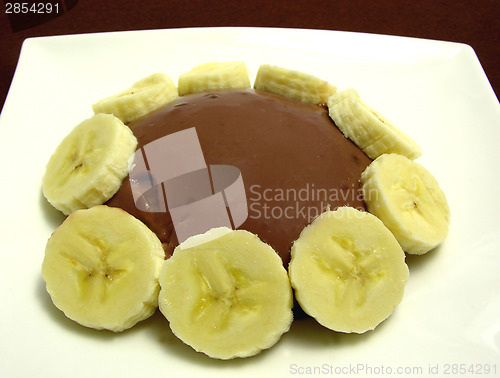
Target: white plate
436	91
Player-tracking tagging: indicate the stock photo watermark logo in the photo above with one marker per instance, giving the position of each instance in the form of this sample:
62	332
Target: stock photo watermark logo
170	174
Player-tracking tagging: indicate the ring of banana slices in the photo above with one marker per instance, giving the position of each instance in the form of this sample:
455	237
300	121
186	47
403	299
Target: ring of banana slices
226	293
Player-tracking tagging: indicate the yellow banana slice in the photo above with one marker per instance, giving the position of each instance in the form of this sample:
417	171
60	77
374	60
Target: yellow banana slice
89	165
408	199
367	128
217	75
226	294
101	268
348	270
293	84
144	96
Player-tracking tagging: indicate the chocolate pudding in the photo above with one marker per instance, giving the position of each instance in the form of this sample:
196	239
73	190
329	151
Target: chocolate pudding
293	161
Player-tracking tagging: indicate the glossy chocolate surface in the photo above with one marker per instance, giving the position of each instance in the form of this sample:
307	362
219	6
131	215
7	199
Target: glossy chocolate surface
293	160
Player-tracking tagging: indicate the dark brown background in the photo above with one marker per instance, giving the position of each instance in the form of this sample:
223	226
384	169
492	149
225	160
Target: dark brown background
472	22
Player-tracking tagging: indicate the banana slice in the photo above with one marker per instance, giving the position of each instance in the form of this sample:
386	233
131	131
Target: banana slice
141	98
369	129
210	76
348	270
89	165
226	294
408	199
101	268
293	84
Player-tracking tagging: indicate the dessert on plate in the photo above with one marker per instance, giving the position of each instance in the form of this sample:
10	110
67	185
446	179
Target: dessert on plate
227	178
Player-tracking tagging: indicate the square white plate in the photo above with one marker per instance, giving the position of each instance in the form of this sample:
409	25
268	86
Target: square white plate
449	319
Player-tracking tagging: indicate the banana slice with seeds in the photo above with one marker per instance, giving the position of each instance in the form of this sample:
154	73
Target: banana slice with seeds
211	76
408	199
101	268
89	165
227	295
367	128
348	270
143	97
293	84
